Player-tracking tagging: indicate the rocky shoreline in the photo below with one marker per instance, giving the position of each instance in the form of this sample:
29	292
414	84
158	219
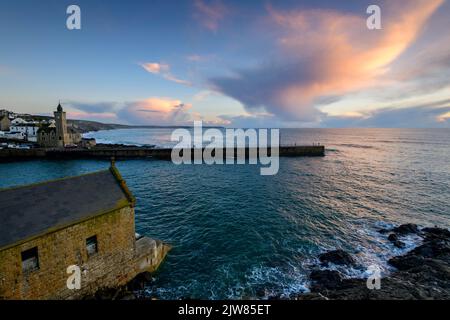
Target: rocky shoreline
422	273
130	291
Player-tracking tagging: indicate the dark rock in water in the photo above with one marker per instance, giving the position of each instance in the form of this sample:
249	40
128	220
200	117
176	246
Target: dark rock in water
399	244
393	237
325	279
130	291
432	249
406	262
129	296
139	282
422	273
337	257
395	241
403	229
436	233
406	229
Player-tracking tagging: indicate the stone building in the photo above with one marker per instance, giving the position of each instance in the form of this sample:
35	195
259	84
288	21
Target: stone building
59	135
88	143
5	123
85	221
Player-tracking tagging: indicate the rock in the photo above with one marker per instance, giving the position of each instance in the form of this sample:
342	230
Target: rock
107	293
399	244
406	262
393	237
417	257
395	241
325	279
140	281
422	273
406	229
432	249
129	296
339	257
436	233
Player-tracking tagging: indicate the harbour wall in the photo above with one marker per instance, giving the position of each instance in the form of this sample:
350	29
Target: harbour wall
144	152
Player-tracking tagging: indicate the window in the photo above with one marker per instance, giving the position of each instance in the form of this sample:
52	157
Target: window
91	245
30	260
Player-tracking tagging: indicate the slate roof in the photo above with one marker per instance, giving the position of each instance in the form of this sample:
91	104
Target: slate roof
46	128
34	210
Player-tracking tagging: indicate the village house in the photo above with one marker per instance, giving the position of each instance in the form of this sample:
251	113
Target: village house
14	135
88	143
58	135
5	123
30	130
85	221
18	121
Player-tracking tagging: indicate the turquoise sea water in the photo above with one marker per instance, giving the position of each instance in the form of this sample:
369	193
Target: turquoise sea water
237	234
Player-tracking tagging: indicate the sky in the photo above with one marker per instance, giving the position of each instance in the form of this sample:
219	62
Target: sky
240	63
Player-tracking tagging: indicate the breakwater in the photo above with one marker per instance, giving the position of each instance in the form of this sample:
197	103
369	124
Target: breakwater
142	152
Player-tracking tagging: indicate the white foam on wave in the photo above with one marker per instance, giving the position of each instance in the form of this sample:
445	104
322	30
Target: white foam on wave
377	254
277	282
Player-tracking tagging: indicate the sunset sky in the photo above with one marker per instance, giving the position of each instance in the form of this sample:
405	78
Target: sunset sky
240	63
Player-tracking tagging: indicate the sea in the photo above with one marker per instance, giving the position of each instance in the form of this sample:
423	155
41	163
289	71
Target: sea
239	235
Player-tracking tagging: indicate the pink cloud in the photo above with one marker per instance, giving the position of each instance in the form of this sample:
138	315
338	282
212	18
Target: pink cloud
163	70
154	67
156	111
210	15
325	53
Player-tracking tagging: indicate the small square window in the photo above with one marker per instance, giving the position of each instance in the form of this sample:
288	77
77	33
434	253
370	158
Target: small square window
91	245
30	260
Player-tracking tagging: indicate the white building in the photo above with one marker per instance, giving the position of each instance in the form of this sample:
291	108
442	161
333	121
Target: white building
29	130
15	135
18	121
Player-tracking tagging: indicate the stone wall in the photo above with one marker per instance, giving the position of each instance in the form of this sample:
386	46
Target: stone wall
136	152
115	264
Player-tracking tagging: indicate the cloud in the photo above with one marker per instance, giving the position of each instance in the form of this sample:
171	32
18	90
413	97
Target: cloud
433	115
324	54
172	78
250	121
163	70
200	58
210	15
193	57
156	111
202	95
150	111
97	107
155	68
